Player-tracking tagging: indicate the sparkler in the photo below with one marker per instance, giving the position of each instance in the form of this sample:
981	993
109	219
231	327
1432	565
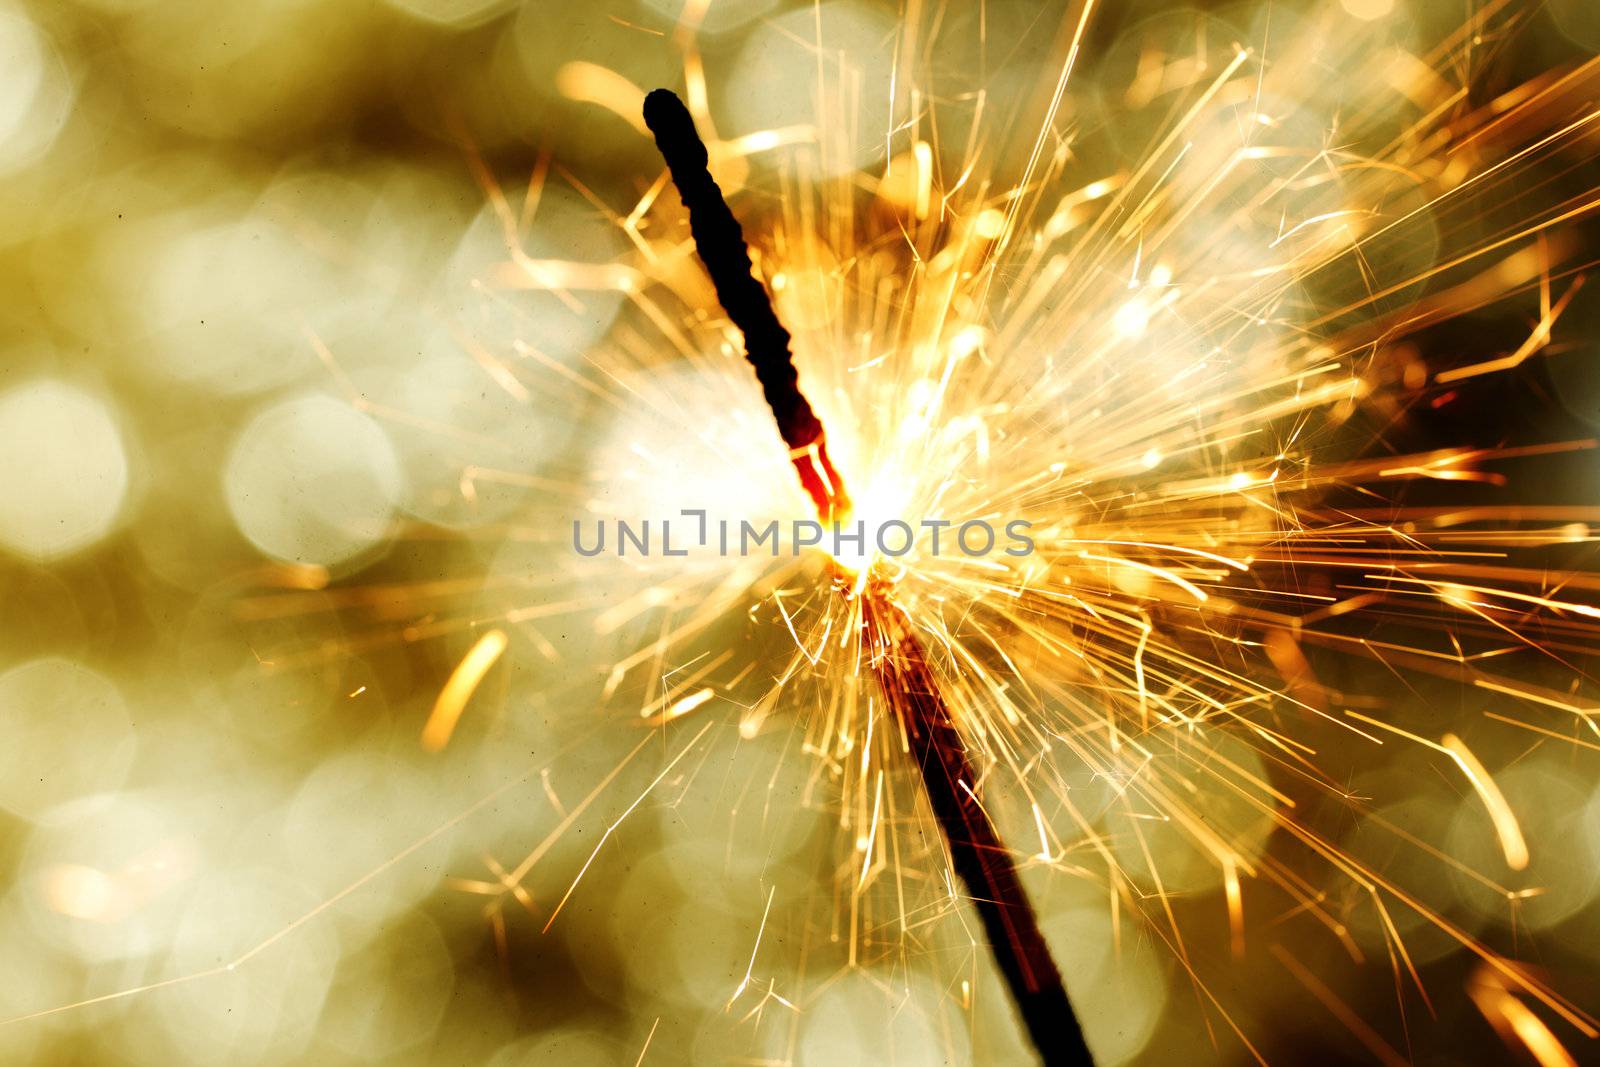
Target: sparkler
1196	326
978	856
1206	351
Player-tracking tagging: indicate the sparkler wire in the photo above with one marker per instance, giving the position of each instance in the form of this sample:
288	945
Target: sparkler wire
720	242
977	854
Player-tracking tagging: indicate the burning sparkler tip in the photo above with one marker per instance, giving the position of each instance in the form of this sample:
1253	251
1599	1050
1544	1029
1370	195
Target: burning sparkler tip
821	481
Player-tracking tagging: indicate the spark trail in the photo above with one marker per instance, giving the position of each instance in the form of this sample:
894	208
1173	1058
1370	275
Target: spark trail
977	854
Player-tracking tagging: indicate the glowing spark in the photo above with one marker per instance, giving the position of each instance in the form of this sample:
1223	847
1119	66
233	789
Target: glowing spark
681	707
923	153
590	83
872	833
1230	884
754	951
1512	1018
1501	816
647	1039
1044	839
463	682
1147	568
1505	822
1538	339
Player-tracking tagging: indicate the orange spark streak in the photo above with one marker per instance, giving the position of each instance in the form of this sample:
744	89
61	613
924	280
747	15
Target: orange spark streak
1500	813
458	690
1512	1018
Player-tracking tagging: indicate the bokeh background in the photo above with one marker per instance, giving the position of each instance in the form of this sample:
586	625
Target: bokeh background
246	366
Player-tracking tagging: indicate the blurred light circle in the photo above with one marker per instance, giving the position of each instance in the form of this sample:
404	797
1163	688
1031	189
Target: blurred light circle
106	875
716	16
1117	990
899	1019
1579	20
66	470
754	822
67	734
35	91
329	832
1563	872
1368	9
469	445
548	36
51	982
401	222
311	480
1385	842
569	1048
265	1009
501	286
689	945
1223	775
1136	93
225	301
773	83
390	996
460	14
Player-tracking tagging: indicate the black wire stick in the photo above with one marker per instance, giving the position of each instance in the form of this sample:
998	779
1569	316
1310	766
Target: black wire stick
720	243
977	854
